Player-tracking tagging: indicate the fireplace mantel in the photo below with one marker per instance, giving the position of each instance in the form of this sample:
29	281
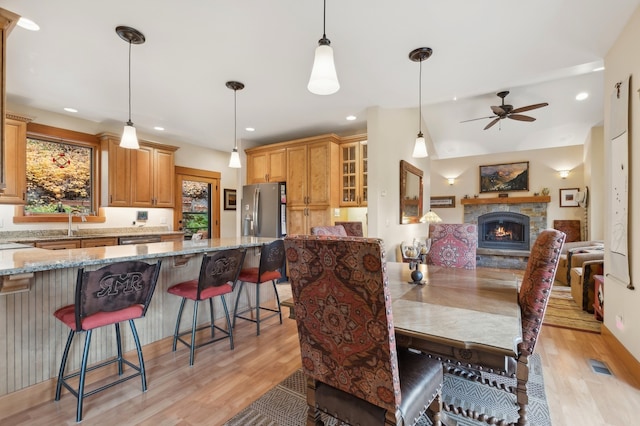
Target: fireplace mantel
507	200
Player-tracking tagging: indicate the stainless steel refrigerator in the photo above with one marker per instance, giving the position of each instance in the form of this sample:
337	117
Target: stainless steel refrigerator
264	209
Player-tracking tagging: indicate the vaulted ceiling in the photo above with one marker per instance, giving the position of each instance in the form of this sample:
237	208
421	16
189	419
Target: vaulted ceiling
541	51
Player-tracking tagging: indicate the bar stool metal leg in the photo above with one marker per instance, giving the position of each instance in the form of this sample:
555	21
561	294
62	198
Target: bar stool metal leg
63	364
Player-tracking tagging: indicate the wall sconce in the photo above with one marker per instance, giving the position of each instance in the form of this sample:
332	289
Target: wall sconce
451	181
564	174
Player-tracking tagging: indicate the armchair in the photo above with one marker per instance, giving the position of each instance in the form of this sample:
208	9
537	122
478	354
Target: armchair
583	283
574	254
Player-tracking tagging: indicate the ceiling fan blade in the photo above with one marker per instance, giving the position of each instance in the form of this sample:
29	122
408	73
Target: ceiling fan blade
497	110
529	107
521	117
492	123
481	118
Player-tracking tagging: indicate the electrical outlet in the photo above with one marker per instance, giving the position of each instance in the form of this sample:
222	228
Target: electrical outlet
619	322
336	212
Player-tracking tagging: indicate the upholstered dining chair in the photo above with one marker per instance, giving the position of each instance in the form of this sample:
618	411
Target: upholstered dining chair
453	245
110	295
353	228
354	371
533	297
218	275
337	230
271	262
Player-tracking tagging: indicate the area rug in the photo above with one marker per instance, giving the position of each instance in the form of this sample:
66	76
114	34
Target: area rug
563	311
285	404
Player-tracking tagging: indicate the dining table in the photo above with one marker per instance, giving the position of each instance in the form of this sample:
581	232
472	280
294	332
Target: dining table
467	318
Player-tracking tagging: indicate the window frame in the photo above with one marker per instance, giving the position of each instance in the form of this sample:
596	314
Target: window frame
56	134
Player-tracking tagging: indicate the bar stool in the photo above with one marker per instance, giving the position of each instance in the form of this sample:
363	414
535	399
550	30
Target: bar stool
110	295
218	274
271	260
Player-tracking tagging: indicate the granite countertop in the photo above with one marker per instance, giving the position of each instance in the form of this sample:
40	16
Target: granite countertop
61	234
26	260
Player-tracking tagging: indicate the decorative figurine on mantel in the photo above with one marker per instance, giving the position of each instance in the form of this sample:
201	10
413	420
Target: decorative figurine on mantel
416	252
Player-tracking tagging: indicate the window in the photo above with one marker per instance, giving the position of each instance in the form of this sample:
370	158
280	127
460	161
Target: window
59	177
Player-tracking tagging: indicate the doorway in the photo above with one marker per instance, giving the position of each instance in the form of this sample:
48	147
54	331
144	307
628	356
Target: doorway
197	207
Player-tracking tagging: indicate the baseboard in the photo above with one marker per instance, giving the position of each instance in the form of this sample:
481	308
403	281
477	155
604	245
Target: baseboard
627	359
42	392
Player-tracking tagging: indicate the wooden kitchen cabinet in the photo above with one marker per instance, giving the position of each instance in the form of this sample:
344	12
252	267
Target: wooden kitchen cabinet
59	244
312	183
141	177
266	165
99	242
15	155
354	172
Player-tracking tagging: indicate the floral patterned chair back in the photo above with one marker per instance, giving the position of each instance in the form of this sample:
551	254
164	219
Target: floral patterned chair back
453	245
337	230
536	286
343	312
353	228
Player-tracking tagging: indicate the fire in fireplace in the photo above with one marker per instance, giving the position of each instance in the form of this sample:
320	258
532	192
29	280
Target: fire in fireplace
503	230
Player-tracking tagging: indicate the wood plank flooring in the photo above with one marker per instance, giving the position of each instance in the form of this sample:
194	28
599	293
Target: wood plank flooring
223	381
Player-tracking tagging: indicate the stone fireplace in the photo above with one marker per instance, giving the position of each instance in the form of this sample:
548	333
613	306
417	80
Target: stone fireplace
506	228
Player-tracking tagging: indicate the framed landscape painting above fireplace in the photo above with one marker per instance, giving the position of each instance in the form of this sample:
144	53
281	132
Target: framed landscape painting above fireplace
505	177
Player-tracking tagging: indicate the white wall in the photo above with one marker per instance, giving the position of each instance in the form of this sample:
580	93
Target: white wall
543	172
391	135
594	171
621	62
187	156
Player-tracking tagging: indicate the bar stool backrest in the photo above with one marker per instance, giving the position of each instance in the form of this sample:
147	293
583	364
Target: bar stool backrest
271	258
219	268
115	287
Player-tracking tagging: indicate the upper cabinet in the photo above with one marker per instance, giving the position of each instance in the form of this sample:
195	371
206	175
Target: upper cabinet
353	169
15	154
266	165
141	177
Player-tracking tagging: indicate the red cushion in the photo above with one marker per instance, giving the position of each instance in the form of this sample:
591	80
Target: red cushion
250	275
189	289
67	315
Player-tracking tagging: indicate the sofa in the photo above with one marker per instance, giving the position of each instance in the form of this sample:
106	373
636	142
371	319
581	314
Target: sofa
574	254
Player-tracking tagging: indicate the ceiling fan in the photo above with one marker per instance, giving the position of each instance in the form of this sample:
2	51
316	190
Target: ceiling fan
507	111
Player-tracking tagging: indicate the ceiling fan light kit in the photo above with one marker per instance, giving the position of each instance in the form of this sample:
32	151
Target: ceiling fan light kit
324	79
508	111
132	36
234	160
420	146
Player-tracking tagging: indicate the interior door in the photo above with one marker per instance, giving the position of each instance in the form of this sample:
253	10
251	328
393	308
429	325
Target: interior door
197	208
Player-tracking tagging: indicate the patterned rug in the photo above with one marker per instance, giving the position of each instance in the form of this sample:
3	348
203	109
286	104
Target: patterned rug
285	404
563	311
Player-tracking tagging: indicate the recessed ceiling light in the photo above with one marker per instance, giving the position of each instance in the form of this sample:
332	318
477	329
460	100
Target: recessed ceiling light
158	128
351	117
582	96
71	110
28	24
455	98
250	129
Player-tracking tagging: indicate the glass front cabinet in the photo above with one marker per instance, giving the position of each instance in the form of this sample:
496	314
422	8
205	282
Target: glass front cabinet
353	166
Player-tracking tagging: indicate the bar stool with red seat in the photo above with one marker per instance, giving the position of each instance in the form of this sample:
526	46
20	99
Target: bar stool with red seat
110	295
271	261
218	274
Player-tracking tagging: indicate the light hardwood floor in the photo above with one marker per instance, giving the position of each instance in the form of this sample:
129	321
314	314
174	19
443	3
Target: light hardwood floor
222	382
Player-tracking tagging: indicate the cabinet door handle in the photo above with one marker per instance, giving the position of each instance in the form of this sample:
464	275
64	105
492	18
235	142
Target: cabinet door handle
110	199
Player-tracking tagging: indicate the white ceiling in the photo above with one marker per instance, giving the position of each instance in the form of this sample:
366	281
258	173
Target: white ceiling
540	50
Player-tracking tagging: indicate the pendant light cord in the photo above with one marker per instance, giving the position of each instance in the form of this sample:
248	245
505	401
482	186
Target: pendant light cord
235	119
324	20
129	123
420	99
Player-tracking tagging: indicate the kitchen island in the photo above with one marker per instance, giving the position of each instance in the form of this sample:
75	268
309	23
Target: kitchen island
36	282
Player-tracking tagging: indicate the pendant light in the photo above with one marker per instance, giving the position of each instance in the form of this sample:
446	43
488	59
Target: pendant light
323	80
234	161
132	36
420	147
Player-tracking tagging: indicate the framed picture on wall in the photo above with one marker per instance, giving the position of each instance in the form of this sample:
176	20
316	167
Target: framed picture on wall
569	197
447	201
505	177
229	199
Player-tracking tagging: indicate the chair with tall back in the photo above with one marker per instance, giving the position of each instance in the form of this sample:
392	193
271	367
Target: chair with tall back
218	275
271	262
110	295
453	245
337	230
354	371
353	228
533	298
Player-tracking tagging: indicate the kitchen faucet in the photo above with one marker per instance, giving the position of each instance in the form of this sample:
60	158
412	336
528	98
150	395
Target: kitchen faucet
71	213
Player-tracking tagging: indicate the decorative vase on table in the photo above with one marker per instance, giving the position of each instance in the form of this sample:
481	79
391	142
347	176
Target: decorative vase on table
416	251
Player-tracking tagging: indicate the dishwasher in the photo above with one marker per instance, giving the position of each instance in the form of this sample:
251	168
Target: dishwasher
139	239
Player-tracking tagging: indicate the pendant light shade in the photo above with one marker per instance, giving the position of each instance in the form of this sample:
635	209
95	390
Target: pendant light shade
323	80
430	217
132	36
420	146
234	160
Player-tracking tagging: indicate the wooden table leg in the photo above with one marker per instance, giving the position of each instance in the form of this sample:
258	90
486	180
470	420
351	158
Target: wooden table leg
522	398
